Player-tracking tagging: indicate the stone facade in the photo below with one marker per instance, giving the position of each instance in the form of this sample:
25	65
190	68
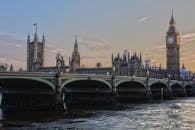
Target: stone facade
173	54
126	64
35	53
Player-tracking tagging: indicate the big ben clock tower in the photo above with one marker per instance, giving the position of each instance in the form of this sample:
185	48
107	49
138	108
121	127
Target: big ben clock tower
172	46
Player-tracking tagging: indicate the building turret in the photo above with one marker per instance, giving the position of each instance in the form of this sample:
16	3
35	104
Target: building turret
118	55
75	45
28	39
35	48
112	58
28	53
75	60
59	60
140	56
35	35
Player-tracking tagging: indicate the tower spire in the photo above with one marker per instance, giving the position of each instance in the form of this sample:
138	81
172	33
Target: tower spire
76	44
43	39
140	56
35	37
75	39
172	21
112	58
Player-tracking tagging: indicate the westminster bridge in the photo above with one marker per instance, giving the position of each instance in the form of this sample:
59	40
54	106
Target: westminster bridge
31	91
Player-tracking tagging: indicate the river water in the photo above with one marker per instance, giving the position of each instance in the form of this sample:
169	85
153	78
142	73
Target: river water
178	114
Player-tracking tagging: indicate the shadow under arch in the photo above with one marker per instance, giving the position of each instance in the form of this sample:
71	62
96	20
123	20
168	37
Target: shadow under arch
131	89
87	91
178	90
189	90
160	90
26	93
26	82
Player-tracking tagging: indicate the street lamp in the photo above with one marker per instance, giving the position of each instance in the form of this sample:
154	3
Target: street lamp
67	70
113	70
58	67
169	78
147	74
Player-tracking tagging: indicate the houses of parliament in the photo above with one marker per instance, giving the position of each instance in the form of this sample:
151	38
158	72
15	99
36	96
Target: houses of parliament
126	65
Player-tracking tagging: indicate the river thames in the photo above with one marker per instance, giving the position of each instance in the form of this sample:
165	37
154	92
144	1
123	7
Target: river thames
178	114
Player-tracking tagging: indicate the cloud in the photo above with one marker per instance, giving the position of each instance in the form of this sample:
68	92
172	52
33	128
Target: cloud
88	57
141	20
15	62
184	39
11	40
94	44
187	38
158	47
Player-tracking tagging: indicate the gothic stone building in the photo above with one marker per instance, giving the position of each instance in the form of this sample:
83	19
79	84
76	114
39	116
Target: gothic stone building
173	54
35	53
74	62
127	65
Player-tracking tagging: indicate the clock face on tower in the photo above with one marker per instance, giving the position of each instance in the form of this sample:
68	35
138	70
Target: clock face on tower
170	40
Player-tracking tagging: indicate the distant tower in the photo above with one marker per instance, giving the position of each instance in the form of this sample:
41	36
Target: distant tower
74	62
172	46
147	64
59	60
35	52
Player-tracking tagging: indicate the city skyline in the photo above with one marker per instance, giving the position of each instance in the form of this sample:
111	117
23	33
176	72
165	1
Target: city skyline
102	27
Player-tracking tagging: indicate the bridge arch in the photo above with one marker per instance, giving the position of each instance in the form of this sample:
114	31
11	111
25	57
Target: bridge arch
132	81
107	84
160	89
7	82
90	91
26	93
131	89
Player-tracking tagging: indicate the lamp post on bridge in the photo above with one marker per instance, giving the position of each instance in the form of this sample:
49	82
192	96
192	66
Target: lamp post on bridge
147	82
169	78
67	70
114	85
58	67
147	75
169	81
183	85
113	80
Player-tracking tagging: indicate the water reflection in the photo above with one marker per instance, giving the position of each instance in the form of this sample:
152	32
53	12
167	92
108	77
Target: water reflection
173	114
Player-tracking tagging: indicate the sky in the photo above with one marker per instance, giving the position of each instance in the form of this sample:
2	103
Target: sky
103	27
